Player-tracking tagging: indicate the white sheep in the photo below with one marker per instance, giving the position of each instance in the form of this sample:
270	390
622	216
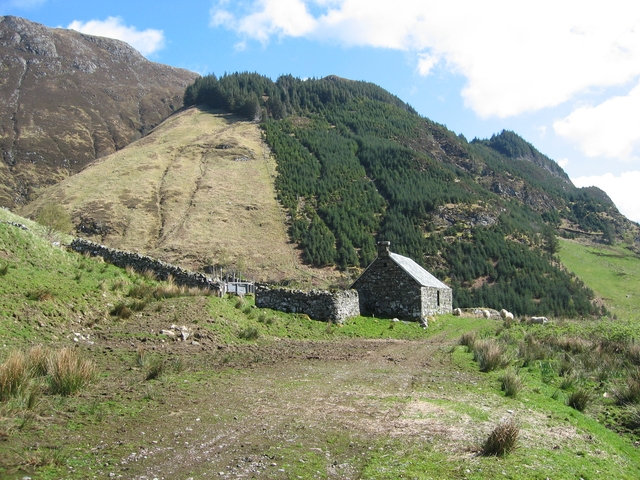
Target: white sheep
539	320
504	314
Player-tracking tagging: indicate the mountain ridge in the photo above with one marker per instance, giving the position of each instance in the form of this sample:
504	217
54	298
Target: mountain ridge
70	98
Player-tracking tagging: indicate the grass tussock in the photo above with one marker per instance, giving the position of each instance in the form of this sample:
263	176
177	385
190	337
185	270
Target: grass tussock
13	374
40	295
169	290
141	291
489	355
4	269
630	393
38	359
155	369
468	340
502	440
138	305
249	333
511	383
121	310
68	372
579	399
142	358
531	350
64	371
149	275
119	284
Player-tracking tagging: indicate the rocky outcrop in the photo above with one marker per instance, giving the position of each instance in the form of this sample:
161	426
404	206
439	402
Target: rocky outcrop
67	99
317	304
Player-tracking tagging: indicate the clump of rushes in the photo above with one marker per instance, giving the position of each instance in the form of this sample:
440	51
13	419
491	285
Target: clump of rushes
13	374
68	372
468	339
249	333
502	440
65	371
38	358
138	305
141	291
149	275
489	355
579	399
631	391
511	383
141	357
155	369
121	310
40	295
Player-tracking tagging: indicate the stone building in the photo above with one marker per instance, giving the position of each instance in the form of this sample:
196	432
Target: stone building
396	286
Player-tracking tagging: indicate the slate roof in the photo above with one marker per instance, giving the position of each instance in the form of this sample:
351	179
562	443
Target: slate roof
418	273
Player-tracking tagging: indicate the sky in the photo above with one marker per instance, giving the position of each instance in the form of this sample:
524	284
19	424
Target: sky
563	74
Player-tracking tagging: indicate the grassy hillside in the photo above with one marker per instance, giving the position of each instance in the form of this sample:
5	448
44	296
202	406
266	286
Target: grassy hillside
197	191
613	271
252	392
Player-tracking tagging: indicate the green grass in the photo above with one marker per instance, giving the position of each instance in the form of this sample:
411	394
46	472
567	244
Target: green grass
613	272
235	320
554	363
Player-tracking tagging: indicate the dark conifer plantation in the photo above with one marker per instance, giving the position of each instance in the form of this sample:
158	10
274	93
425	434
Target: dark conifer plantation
357	164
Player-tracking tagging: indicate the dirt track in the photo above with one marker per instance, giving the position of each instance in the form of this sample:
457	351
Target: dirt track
256	407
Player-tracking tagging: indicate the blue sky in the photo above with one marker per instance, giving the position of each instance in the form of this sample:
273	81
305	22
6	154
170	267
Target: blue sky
565	75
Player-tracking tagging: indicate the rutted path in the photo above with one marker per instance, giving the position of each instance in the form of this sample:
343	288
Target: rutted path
295	395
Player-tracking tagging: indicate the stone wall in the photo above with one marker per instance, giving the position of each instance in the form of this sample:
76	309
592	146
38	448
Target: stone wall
318	304
142	263
436	301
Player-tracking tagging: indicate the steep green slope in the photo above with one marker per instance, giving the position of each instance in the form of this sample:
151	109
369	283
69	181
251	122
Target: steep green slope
612	271
357	164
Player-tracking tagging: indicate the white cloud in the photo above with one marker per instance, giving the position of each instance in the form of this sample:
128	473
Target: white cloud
426	62
623	190
563	162
611	129
275	17
146	42
517	56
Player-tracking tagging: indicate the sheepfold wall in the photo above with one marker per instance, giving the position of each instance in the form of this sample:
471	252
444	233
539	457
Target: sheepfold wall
142	263
318	304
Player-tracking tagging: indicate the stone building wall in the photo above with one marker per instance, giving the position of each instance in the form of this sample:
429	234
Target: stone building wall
386	290
436	301
142	263
318	304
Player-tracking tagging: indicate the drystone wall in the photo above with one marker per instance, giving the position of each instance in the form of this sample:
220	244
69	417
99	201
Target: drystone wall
318	304
142	263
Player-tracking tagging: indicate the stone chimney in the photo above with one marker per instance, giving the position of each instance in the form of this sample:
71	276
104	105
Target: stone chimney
383	249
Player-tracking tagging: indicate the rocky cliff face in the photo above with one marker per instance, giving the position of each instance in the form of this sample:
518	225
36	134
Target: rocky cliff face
67	99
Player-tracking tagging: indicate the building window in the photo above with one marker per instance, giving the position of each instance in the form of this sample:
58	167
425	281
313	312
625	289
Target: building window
438	298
